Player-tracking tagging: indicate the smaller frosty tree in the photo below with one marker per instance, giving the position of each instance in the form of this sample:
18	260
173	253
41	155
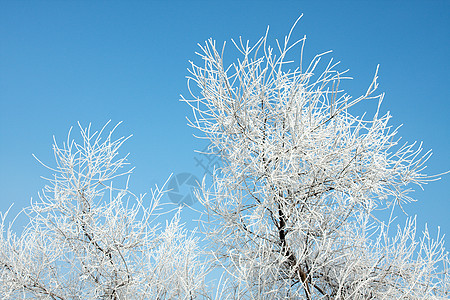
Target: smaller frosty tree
89	239
290	215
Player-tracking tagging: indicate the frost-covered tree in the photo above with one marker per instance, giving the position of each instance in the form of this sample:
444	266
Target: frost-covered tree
291	214
89	239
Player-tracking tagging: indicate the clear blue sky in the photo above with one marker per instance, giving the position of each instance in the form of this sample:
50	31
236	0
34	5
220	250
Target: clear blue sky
91	61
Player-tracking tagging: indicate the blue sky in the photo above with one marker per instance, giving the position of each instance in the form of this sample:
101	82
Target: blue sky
92	61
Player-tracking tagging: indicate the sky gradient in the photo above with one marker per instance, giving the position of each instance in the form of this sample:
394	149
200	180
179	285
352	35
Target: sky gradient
92	61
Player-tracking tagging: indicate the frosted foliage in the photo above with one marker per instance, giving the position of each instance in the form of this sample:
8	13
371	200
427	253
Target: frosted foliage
290	213
87	239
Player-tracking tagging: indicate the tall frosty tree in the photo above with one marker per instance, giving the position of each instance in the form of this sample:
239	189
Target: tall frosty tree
290	215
